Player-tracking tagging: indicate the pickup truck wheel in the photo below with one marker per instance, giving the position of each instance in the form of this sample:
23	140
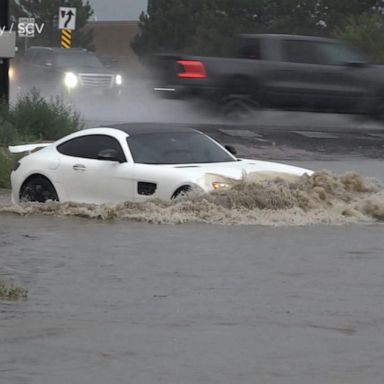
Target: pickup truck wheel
238	107
239	98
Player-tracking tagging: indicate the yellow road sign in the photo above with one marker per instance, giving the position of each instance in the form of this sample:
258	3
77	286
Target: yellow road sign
66	38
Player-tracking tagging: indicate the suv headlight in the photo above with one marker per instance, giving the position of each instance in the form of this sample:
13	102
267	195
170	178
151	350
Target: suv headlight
11	73
119	79
71	80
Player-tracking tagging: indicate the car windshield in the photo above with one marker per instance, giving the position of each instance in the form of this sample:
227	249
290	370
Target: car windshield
78	60
176	148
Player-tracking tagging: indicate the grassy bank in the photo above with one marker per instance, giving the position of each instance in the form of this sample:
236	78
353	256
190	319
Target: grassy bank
30	119
8	291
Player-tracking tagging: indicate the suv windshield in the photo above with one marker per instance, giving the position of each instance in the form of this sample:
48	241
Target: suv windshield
176	148
78	60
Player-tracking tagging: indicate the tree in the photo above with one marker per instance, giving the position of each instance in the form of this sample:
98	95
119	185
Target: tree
15	11
169	25
365	32
336	13
46	12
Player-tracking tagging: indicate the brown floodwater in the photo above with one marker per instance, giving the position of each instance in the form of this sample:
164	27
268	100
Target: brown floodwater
296	297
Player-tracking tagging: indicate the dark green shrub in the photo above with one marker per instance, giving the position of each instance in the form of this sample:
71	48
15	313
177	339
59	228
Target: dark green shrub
6	164
36	118
32	118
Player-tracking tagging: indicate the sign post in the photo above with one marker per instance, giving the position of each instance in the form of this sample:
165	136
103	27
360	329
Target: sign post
4	62
26	29
67	24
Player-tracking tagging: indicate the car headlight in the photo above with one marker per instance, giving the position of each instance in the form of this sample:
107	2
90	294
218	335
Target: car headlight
11	73
216	185
71	80
119	79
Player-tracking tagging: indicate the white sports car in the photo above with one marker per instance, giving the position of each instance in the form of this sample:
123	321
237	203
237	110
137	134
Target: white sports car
131	162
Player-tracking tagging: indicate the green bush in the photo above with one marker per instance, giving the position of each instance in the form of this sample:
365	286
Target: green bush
7	163
32	118
10	292
366	32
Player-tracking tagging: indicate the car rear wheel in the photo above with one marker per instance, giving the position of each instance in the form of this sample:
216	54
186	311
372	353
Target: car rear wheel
240	99
38	189
238	107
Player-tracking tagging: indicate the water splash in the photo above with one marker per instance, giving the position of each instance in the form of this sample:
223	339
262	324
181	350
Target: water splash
270	200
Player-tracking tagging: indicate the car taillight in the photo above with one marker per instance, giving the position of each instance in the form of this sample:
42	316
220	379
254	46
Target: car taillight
192	69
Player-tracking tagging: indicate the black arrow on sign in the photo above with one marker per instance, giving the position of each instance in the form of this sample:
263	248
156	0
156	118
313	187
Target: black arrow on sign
69	14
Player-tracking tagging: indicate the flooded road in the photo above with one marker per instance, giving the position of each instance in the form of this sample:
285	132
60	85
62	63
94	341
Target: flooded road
117	301
128	302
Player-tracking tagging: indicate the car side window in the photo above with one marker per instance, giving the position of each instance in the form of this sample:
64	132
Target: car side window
251	50
339	54
301	51
89	146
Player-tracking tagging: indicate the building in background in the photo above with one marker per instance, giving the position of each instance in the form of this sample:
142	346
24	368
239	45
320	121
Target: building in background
112	43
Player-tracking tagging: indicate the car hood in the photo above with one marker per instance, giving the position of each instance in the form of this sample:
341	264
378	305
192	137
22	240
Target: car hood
202	174
87	69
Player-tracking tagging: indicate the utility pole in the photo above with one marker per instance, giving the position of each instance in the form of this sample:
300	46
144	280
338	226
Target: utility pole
4	62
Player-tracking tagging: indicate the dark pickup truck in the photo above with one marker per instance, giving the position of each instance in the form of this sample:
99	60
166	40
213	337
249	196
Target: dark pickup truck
282	71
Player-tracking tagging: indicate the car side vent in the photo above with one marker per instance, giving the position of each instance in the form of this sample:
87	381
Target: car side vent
146	189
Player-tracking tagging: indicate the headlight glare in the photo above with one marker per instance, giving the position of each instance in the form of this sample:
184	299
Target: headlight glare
71	80
11	73
119	79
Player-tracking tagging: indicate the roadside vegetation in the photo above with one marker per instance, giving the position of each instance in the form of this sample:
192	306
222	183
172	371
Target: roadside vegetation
366	32
30	119
8	291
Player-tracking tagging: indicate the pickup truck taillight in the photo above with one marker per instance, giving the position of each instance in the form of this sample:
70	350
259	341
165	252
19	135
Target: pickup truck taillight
192	69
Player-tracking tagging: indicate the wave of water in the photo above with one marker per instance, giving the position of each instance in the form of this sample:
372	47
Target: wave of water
322	198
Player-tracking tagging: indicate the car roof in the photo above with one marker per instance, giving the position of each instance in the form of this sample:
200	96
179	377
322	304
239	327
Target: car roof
288	37
133	129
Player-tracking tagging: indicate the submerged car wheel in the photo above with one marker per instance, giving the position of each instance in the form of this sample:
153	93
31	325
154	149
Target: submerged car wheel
38	189
182	192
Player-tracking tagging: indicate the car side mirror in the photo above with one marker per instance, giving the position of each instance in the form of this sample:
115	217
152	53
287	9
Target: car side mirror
109	155
231	149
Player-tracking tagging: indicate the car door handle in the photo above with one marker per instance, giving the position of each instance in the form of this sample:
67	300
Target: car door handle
79	167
